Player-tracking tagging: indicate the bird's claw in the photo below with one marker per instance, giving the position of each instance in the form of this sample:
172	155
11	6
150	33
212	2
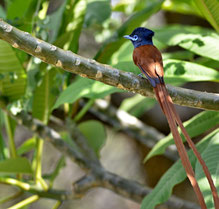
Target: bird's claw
141	75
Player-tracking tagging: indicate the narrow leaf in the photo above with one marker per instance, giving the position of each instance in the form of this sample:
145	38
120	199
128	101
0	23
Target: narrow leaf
137	105
83	87
15	165
72	24
54	20
44	97
12	75
3	148
97	12
209	9
27	146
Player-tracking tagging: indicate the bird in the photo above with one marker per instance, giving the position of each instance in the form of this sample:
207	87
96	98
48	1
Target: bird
149	60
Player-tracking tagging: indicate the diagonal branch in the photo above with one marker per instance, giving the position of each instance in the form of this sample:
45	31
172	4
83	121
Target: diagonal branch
91	69
97	175
132	126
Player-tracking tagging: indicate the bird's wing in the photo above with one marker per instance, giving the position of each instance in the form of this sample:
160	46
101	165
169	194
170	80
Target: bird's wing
149	60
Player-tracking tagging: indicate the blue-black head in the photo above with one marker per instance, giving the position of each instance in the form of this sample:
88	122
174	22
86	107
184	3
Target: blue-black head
141	36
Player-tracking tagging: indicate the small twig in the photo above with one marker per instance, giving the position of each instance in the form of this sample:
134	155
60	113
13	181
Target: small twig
25	187
25	202
91	69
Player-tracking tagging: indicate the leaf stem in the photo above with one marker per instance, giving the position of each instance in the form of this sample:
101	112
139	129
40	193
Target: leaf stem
84	110
38	169
8	126
15	182
25	202
56	206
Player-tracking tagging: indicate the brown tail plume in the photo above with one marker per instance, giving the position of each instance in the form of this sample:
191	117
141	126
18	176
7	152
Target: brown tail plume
193	147
161	97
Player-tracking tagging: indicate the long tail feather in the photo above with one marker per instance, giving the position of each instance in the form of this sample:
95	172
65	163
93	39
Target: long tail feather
193	147
160	94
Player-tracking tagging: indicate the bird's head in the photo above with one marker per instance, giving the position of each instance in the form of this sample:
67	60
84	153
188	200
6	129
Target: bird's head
141	36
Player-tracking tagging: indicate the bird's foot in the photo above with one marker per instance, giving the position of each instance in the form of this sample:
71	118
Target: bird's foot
141	75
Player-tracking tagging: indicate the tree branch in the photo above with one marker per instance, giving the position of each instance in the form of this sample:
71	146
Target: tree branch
132	126
96	174
91	69
52	194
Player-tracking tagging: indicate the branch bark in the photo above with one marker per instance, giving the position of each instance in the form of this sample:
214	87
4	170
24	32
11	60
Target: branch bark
89	68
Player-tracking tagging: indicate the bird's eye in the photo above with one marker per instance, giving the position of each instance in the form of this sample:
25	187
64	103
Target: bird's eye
135	38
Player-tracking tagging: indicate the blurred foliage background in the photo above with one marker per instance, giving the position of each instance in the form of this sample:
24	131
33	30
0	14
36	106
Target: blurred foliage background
187	34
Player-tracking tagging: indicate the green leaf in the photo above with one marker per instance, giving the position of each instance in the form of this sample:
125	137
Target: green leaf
199	40
15	165
137	105
183	7
54	20
67	138
210	156
209	9
59	165
83	87
17	8
95	134
174	175
12	75
3	148
179	55
128	67
44	97
75	27
97	12
114	43
125	6
29	19
182	71
2	13
72	25
195	126
28	145
207	62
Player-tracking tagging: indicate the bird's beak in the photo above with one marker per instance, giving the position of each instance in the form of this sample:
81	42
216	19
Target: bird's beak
128	37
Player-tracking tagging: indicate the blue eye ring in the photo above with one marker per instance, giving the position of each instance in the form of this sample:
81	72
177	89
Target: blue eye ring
135	38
